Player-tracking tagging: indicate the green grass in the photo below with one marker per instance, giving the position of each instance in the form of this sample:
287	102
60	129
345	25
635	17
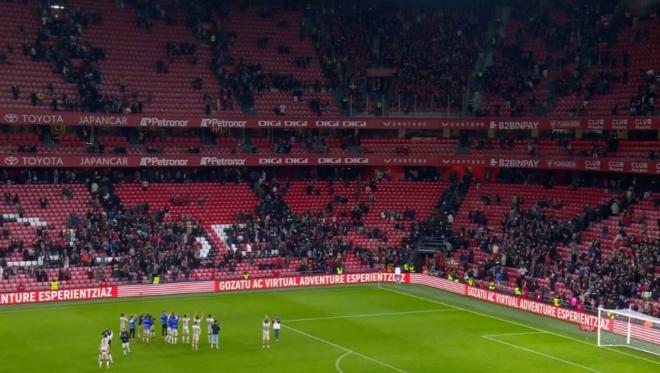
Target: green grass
332	329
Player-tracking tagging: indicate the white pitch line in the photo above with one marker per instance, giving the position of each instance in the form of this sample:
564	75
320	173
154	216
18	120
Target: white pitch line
339	359
541	354
372	315
510	334
344	349
517	323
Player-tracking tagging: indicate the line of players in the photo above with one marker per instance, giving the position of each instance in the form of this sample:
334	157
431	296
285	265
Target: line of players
170	332
145	327
170	328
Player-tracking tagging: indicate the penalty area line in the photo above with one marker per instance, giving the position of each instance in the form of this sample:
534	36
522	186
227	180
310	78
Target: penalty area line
552	357
510	334
347	350
516	323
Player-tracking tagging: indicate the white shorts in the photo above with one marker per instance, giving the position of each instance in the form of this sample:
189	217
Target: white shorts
104	355
185	331
175	332
124	345
195	338
265	336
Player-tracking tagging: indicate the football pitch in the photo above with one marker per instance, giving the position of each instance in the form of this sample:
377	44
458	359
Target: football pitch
374	328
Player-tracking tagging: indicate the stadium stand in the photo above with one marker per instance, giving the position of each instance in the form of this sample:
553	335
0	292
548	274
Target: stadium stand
203	59
229	230
554	232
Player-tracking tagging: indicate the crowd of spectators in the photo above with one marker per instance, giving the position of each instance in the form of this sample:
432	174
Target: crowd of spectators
530	242
643	103
319	239
440	224
274	230
374	55
60	41
244	79
139	242
570	33
420	73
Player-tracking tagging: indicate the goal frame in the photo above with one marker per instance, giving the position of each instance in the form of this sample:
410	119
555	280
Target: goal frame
626	334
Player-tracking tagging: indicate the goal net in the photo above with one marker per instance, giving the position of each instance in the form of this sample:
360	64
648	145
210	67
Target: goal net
628	328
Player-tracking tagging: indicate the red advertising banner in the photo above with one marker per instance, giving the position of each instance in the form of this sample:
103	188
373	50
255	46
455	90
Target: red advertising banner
543	309
147	290
649	333
16	117
276	160
43	296
306	281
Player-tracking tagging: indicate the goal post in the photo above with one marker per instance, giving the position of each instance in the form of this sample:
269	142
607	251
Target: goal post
628	328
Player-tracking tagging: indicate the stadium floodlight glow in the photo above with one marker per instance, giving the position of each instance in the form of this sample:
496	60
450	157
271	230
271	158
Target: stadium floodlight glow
57	6
628	328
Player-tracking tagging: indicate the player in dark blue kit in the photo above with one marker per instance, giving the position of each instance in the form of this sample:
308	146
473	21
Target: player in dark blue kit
163	324
107	333
131	327
125	347
148	323
173	331
140	325
215	335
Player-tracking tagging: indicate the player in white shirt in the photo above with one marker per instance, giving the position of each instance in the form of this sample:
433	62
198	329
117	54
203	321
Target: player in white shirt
104	352
209	324
123	320
196	332
185	320
397	275
277	325
265	332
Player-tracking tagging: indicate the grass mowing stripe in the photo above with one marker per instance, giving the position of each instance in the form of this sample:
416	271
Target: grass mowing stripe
343	349
339	359
552	357
372	315
510	334
515	323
